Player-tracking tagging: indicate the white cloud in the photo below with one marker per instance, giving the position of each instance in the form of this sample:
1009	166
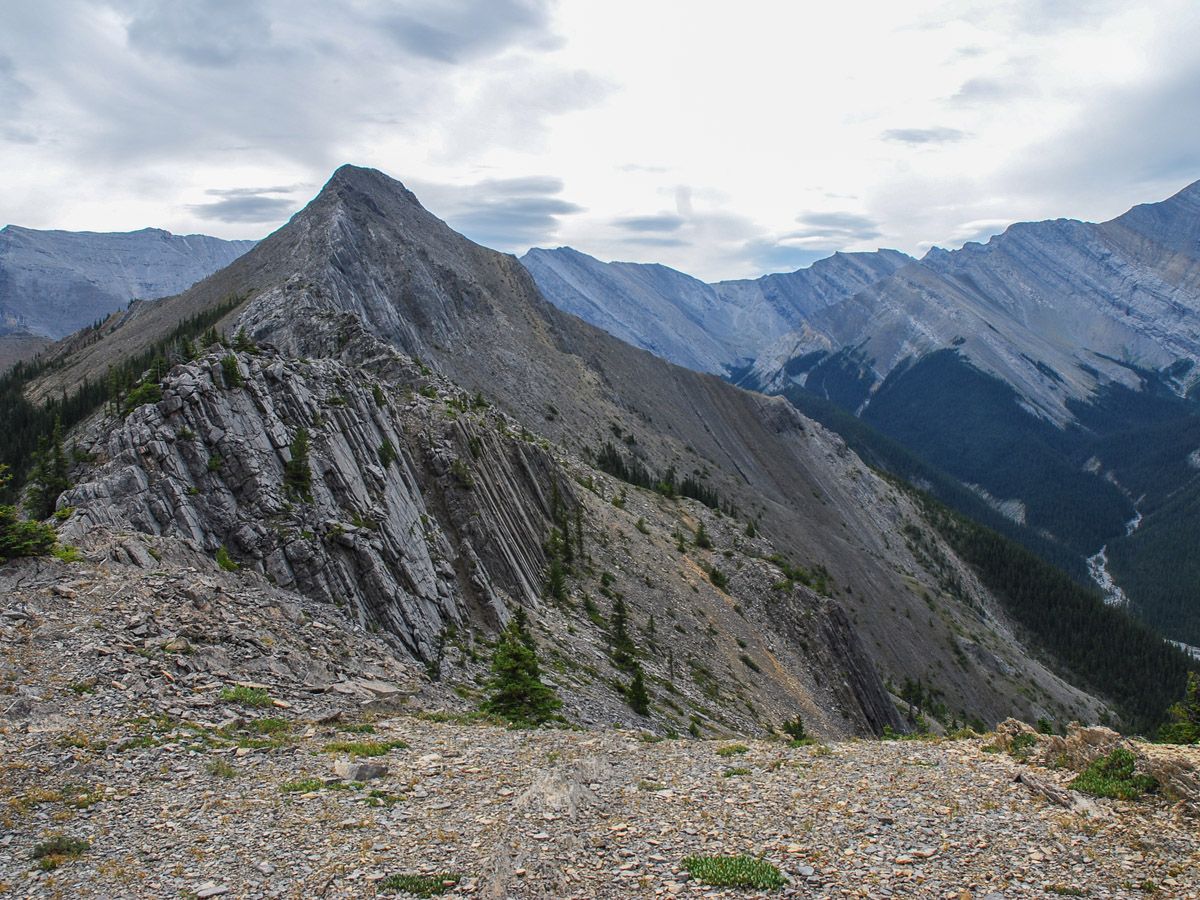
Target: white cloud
721	140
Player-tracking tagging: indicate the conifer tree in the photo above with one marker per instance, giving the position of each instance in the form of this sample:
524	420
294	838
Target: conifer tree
1184	727
19	537
623	649
49	476
297	473
639	700
516	691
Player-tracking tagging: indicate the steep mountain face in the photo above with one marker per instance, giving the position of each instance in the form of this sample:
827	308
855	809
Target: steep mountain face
389	337
55	282
710	328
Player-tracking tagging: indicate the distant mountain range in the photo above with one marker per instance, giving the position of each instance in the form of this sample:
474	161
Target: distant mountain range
53	283
1051	371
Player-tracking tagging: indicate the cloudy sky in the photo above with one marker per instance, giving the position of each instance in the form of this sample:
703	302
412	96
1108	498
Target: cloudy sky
725	139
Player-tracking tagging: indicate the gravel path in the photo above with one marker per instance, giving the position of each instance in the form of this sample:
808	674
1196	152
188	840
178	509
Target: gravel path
562	814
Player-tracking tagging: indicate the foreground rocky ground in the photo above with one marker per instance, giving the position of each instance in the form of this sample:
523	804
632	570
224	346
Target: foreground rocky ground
170	732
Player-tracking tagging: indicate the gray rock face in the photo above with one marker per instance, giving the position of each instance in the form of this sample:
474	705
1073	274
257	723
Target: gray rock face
53	283
207	462
709	328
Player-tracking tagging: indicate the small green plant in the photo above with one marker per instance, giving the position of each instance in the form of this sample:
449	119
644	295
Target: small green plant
1065	890
641	525
732	750
67	553
144	393
703	541
53	852
365	748
1021	744
377	394
718	578
246	696
735	771
420	885
214	463
1113	776
224	560
387	453
302	786
734	871
794	728
222	769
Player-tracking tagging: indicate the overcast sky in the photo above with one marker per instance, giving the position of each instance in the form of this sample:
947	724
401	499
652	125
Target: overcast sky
725	139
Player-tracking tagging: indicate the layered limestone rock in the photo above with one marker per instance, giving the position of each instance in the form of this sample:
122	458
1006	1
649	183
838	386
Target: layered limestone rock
415	522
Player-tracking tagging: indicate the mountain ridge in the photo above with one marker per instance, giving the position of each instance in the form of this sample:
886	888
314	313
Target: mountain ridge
364	272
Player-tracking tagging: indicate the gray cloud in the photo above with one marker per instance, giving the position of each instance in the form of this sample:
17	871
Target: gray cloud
451	31
1141	143
651	240
207	33
13	93
286	84
835	229
247	205
923	135
510	214
661	222
772	256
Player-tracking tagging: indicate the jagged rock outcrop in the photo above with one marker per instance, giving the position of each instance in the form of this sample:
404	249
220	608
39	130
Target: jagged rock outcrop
207	463
55	282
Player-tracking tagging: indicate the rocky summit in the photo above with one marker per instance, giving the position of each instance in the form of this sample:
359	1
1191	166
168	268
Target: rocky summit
365	570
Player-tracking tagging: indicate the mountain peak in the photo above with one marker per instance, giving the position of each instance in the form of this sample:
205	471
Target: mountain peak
367	181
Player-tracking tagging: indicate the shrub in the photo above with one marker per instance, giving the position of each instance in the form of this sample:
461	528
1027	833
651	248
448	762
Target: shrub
719	579
146	392
734	871
795	729
1113	776
732	750
703	541
224	561
53	852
